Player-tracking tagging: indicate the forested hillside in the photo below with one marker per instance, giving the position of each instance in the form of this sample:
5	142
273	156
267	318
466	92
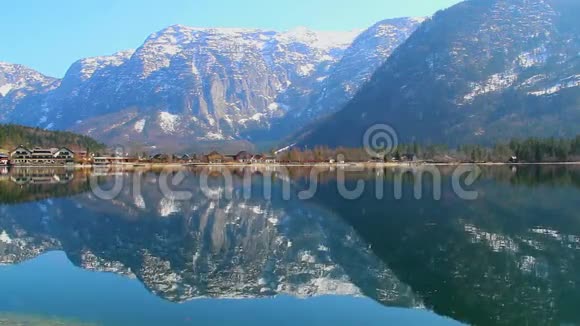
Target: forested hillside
12	136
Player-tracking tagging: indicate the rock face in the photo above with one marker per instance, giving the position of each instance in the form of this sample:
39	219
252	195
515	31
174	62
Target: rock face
187	85
477	72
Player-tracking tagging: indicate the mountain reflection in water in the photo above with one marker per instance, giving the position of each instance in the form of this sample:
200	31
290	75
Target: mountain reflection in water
509	257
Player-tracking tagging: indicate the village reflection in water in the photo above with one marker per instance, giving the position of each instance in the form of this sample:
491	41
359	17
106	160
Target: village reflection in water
510	257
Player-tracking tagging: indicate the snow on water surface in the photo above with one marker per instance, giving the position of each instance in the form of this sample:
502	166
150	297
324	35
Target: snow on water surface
168	207
5	238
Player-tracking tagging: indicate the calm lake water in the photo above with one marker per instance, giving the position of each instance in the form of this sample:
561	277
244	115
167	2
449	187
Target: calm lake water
509	257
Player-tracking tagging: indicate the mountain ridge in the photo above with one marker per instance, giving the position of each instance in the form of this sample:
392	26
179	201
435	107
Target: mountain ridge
477	72
188	84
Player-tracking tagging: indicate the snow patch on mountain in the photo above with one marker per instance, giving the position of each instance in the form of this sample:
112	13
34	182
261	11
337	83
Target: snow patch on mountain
494	83
90	65
306	70
418	20
533	58
168	122
533	80
320	40
212	135
5	89
285	149
572	81
255	117
140	125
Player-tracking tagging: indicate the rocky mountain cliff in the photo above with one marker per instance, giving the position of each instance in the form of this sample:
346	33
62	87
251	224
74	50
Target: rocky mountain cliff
186	85
477	72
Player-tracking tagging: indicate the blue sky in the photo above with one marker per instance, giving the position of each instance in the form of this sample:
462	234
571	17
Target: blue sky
51	35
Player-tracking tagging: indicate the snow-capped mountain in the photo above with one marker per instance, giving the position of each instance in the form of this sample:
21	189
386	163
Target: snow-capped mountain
18	83
367	53
187	85
481	71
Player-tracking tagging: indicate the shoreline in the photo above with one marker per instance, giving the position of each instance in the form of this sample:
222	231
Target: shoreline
147	166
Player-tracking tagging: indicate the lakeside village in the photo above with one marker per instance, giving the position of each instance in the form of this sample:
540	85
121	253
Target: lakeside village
65	157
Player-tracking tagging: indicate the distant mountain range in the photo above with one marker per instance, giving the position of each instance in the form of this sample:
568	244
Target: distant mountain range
188	86
478	72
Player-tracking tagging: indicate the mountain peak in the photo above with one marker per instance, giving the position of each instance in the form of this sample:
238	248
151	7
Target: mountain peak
324	40
185	28
17	77
320	39
87	67
7	67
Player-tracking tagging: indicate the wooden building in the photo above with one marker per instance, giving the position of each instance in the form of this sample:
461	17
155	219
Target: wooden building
215	158
23	156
